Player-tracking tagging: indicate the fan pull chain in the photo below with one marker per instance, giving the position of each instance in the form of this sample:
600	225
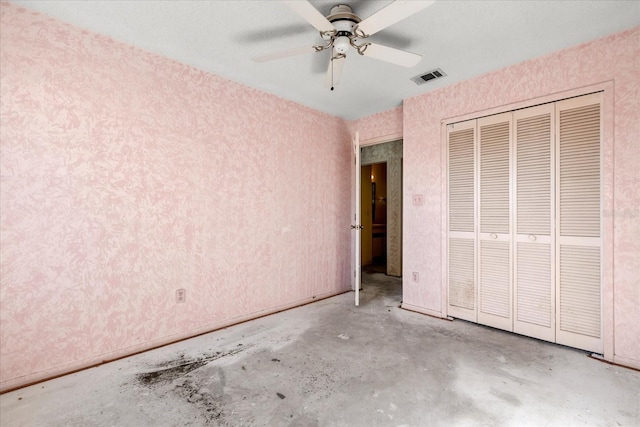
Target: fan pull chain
332	72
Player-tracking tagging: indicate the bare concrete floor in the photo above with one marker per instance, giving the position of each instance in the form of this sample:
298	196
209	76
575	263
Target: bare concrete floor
332	364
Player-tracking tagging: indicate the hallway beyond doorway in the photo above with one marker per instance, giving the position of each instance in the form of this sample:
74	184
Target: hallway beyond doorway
381	206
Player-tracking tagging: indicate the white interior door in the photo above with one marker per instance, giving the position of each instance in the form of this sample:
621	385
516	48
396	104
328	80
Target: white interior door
357	227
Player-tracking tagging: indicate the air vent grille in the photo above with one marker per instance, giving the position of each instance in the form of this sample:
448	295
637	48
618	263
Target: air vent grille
428	76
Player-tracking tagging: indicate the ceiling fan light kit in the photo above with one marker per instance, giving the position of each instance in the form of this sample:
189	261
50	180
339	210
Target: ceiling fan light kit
342	29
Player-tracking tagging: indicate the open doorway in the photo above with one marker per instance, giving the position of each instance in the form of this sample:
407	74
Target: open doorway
374	217
381	208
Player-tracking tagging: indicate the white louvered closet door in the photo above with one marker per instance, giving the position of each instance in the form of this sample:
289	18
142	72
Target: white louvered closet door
461	243
494	251
579	236
534	260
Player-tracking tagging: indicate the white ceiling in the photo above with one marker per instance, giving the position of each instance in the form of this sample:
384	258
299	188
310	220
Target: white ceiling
463	38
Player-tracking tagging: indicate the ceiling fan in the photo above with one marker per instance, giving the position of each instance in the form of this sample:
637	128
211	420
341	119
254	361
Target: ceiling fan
342	30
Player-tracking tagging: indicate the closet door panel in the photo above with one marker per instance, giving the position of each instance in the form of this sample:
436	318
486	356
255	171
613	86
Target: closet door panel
534	293
495	282
494	269
534	248
462	289
462	251
579	311
578	198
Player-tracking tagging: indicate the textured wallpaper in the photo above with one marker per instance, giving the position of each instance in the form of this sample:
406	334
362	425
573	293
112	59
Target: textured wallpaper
385	126
614	59
127	176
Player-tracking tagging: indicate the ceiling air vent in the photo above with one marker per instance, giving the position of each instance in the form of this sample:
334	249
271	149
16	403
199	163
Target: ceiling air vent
429	75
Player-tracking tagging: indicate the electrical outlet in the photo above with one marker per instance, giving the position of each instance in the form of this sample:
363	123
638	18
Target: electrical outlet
418	200
181	295
415	277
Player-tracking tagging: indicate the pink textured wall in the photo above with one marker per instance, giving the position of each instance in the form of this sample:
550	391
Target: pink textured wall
612	64
126	176
385	126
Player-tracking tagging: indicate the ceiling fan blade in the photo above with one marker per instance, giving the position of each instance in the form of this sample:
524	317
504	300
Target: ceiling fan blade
284	54
310	14
334	71
392	55
389	15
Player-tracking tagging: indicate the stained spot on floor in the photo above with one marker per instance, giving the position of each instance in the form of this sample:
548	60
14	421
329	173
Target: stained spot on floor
176	368
168	374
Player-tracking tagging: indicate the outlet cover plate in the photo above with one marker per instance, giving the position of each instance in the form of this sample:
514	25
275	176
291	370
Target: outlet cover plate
181	295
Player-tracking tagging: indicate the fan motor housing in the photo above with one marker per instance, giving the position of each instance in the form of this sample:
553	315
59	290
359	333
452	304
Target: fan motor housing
342	12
